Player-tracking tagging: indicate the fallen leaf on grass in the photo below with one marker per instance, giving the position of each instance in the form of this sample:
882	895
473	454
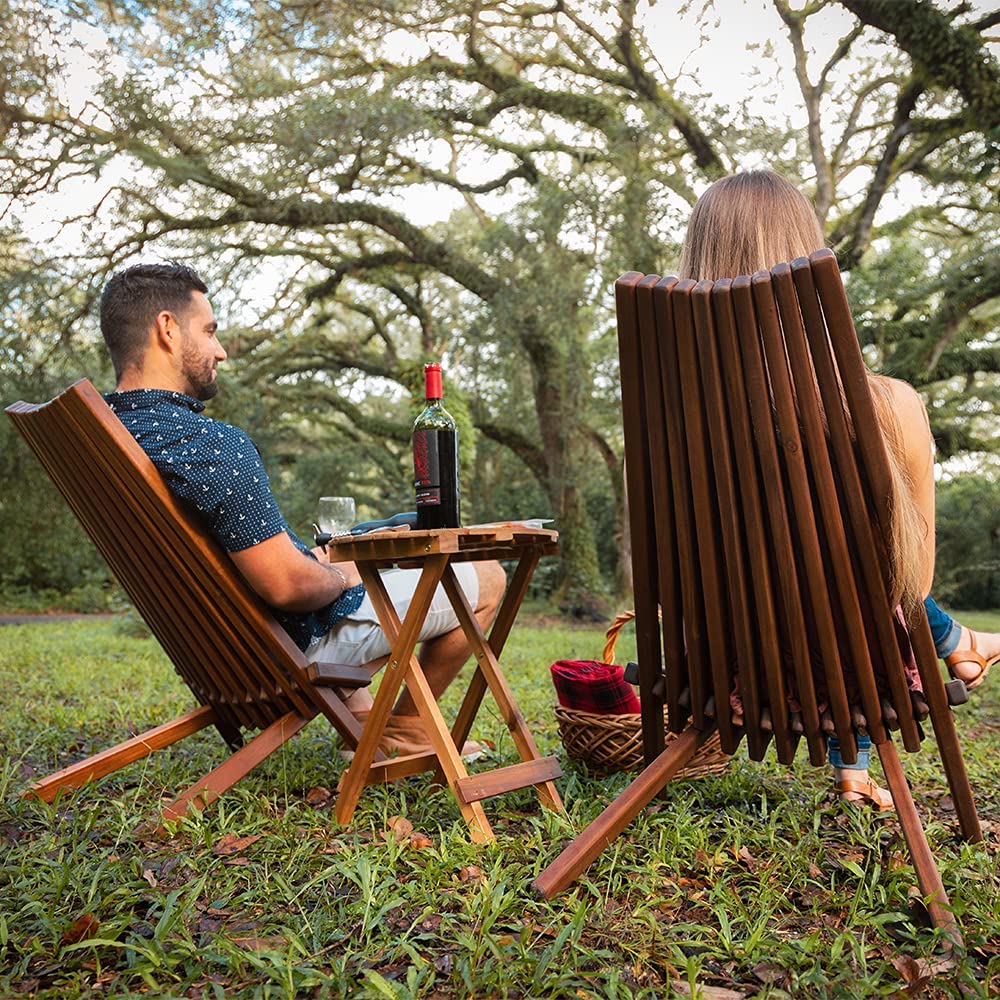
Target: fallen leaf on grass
230	844
419	841
252	942
918	972
768	973
709	992
471	873
148	875
399	829
237	862
546	932
85	926
318	796
747	858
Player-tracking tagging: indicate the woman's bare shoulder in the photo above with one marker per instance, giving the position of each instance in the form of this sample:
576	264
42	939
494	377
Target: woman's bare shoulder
905	399
911	414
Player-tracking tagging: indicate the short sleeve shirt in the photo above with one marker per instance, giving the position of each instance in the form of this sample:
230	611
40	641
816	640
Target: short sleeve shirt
215	469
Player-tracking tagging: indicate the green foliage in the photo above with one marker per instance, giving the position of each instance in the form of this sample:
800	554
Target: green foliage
754	881
368	186
967	568
43	546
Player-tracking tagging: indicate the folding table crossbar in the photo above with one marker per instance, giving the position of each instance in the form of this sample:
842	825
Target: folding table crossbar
434	552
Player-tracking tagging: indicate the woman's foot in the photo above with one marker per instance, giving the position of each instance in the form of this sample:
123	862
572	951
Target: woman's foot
858	788
976	653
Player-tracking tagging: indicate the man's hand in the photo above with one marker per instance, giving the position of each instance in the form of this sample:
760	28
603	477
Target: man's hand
350	573
286	578
348	569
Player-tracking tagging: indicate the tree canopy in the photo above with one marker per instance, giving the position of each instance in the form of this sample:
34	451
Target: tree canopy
368	186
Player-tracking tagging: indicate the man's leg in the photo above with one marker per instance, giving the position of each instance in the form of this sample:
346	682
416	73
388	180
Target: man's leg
359	640
443	656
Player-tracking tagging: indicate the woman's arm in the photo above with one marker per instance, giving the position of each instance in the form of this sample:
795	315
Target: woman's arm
918	455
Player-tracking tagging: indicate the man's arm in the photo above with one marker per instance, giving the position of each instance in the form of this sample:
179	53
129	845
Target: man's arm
287	579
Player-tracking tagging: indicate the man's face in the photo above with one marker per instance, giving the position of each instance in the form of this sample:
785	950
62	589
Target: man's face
200	348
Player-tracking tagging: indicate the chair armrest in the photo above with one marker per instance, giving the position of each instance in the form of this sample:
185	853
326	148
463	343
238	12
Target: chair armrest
338	675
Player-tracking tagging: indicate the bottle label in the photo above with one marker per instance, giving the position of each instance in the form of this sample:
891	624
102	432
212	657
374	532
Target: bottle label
426	468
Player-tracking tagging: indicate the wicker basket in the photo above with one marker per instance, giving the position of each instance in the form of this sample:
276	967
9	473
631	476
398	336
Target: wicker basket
611	743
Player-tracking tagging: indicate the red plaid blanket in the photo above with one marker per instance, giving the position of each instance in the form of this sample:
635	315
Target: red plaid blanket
591	686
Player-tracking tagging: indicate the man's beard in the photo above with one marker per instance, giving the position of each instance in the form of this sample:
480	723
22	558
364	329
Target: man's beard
199	375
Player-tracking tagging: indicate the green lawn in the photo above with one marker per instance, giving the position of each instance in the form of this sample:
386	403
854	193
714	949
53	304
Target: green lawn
756	882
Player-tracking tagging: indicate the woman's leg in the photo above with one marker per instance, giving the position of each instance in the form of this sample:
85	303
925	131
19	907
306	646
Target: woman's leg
945	631
852	780
968	655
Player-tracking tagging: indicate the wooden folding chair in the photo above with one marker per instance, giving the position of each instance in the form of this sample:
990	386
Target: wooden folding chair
241	666
758	477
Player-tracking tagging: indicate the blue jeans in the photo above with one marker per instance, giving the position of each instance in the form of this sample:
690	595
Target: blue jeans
945	631
864	753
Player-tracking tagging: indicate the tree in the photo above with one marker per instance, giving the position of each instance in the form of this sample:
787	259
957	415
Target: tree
924	285
43	546
427	179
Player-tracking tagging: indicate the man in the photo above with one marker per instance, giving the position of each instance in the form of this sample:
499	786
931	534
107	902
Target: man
162	336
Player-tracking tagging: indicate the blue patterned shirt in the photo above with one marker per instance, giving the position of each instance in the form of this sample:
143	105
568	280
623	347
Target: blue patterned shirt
216	469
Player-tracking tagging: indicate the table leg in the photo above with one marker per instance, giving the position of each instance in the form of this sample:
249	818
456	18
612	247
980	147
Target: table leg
489	669
497	639
402	640
403	665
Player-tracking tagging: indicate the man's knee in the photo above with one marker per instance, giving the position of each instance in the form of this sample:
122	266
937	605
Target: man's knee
492	584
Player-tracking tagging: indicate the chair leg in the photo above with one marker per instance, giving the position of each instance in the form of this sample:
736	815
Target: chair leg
111	760
601	833
943	721
928	876
204	792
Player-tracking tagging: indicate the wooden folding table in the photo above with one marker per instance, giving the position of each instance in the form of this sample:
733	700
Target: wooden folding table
433	552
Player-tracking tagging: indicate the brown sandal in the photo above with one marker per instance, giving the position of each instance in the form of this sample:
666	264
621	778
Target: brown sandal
870	794
973	656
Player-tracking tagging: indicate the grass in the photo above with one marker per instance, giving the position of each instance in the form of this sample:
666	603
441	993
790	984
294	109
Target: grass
755	882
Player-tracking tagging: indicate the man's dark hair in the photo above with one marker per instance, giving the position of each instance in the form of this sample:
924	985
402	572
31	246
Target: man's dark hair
133	298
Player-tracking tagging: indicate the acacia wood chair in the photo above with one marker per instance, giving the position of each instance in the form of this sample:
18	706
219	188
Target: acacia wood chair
759	498
245	672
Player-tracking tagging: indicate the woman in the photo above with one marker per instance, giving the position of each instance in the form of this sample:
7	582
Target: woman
751	221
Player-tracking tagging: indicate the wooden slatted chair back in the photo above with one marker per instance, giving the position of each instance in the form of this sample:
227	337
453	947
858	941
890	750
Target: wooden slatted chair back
757	471
221	638
759	499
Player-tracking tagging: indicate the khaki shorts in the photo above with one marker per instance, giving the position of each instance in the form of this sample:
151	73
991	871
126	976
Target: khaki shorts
359	639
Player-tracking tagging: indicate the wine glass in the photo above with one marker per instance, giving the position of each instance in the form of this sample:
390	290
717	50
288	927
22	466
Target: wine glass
335	515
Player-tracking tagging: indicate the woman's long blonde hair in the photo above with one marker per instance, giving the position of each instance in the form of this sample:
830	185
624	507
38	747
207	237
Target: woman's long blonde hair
751	221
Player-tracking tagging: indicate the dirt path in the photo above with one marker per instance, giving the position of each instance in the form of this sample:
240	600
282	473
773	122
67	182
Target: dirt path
57	617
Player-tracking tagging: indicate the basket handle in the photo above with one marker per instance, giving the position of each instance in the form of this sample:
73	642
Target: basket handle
612	635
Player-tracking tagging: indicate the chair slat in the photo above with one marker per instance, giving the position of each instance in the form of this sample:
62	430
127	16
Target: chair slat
695	682
664	525
641	518
711	613
736	573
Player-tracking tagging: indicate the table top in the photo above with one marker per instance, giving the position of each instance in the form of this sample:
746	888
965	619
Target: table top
388	546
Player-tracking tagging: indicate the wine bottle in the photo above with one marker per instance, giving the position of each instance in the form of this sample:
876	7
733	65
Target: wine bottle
435	459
